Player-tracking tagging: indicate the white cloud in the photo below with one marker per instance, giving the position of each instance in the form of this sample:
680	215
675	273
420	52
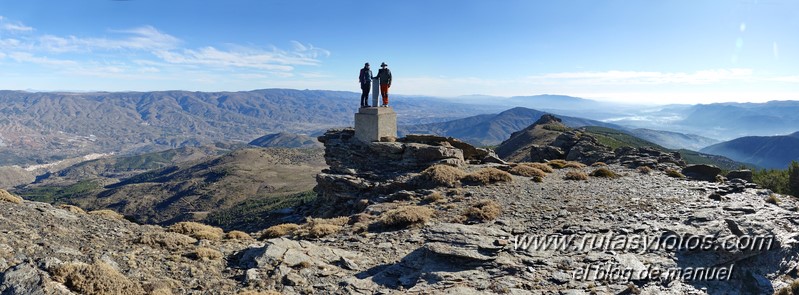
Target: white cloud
246	57
141	38
30	58
13	27
155	51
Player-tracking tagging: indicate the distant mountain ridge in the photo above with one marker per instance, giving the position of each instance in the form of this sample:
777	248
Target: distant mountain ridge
774	152
492	129
674	140
44	127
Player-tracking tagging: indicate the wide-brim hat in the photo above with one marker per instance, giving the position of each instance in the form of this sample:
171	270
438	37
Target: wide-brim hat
383	65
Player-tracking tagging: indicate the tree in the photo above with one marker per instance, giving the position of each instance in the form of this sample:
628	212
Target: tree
793	178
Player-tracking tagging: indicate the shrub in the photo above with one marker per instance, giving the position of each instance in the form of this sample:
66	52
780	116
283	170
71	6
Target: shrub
674	173
168	240
576	175
538	179
603	172
108	214
541	166
73	209
206	254
8	197
528	171
406	216
279	230
197	230
238	235
793	178
97	278
488	175
777	181
644	170
484	210
443	175
599	164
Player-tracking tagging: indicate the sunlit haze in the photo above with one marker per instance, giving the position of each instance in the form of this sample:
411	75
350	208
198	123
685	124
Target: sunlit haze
629	51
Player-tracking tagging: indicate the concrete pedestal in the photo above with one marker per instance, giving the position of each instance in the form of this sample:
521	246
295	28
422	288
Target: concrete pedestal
371	124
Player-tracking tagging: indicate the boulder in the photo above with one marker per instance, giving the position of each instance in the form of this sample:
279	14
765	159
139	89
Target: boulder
702	172
744	174
540	153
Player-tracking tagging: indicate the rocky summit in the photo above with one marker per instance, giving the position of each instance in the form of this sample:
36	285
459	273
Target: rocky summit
433	215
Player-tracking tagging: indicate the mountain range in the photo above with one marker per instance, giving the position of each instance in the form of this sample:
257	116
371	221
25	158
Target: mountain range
774	152
492	129
38	128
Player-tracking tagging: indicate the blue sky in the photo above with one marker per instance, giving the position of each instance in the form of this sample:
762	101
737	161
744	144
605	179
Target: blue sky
674	51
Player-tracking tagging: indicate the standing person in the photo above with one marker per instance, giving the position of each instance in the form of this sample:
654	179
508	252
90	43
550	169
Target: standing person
366	84
384	76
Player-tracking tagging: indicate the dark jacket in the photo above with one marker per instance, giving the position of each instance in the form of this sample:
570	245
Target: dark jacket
366	76
384	75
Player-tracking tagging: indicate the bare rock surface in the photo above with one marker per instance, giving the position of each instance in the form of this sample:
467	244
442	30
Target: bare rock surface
383	230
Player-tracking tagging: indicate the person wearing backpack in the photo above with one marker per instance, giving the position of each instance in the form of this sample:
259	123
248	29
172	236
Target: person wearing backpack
366	84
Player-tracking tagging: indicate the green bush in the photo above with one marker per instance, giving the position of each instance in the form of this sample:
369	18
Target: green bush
775	180
793	178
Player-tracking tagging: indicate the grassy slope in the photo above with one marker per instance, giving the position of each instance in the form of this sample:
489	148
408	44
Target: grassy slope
232	190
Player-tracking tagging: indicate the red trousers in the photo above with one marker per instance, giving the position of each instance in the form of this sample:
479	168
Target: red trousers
384	93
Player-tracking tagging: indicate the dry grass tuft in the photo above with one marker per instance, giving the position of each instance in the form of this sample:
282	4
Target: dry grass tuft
599	164
576	175
488	175
674	173
773	199
203	253
644	170
573	164
434	197
444	175
97	278
541	166
406	216
537	179
238	235
8	197
108	214
197	230
251	292
71	208
792	289
528	171
320	227
167	240
557	164
484	210
279	230
604	172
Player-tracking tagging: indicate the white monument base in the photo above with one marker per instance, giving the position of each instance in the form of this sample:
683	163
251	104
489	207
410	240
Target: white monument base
372	124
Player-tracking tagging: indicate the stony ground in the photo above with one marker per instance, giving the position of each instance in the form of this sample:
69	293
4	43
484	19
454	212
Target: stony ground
446	254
